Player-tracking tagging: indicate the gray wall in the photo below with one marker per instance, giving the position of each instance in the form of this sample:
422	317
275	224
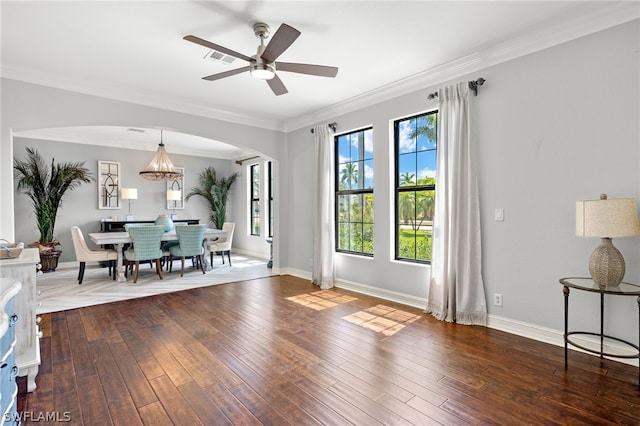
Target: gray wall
552	127
80	206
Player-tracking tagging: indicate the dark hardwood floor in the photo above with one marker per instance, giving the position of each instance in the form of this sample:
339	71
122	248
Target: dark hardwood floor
245	354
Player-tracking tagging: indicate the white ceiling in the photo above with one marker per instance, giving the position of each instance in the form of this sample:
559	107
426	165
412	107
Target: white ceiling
134	51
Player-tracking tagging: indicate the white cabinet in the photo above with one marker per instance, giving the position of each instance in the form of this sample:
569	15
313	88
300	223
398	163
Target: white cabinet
27	350
9	288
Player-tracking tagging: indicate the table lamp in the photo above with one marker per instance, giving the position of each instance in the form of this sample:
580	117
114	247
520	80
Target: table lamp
174	196
607	219
129	194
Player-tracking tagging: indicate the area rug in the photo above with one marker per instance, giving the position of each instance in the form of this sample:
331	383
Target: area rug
59	290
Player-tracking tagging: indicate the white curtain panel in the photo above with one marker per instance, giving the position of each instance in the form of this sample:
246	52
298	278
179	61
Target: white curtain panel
323	229
456	290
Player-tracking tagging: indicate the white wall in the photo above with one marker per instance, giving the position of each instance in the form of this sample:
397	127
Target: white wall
552	128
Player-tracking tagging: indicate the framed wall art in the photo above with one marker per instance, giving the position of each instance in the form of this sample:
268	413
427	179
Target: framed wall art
108	185
175	192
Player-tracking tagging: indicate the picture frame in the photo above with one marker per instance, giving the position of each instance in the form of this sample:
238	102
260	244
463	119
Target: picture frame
108	185
176	184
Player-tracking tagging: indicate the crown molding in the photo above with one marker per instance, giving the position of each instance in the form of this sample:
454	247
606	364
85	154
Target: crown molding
551	35
602	15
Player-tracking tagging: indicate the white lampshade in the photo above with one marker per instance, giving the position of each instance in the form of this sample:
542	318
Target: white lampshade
129	193
174	195
607	218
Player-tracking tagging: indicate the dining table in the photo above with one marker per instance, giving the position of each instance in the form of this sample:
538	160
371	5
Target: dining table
119	239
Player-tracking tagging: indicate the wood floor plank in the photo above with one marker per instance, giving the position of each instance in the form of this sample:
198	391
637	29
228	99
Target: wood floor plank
232	408
141	392
243	354
260	408
204	407
95	409
172	368
369	406
322	413
144	358
78	342
154	414
340	406
173	402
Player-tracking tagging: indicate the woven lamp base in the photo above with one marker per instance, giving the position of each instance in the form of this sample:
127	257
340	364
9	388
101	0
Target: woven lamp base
606	265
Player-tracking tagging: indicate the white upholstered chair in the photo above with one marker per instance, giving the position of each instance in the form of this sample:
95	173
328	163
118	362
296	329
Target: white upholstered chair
223	244
84	254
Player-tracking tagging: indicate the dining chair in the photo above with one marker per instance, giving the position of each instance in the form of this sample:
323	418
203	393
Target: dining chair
190	244
84	254
146	247
223	244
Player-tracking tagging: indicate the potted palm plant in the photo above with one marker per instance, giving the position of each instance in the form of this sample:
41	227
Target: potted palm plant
45	186
216	191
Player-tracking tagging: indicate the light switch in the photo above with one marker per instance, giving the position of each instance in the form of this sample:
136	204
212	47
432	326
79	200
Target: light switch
499	215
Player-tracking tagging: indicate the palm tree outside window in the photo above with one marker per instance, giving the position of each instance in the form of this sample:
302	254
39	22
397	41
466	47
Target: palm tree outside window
415	140
354	192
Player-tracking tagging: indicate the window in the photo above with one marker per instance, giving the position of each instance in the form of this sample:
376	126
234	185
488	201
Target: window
415	140
254	172
270	196
354	192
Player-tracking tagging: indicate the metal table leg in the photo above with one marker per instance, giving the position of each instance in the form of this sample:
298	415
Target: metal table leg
565	290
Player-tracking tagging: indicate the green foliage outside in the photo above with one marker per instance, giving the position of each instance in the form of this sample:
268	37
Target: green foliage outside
415	244
355	223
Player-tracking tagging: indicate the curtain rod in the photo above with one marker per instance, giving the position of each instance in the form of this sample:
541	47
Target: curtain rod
246	159
473	85
333	127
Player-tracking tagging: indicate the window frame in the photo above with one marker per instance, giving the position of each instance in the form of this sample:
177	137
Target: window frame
270	198
254	199
398	189
349	192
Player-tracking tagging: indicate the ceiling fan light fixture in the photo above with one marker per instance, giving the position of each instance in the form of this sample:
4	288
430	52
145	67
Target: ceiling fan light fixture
262	71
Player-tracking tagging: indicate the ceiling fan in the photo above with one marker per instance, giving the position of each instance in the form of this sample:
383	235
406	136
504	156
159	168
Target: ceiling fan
263	64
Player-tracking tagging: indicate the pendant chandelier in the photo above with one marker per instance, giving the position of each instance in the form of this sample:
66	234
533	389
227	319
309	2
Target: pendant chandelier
160	166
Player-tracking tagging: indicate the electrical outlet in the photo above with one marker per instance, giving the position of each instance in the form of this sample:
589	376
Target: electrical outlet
497	299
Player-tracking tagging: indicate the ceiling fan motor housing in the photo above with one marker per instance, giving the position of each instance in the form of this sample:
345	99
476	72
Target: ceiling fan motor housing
261	30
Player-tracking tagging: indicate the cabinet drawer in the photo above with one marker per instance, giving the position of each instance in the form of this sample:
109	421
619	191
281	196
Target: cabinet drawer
7	339
8	374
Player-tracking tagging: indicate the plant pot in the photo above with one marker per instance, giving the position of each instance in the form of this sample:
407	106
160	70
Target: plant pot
49	261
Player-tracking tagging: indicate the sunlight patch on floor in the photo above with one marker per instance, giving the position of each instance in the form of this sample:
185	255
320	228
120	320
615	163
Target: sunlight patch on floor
322	299
382	319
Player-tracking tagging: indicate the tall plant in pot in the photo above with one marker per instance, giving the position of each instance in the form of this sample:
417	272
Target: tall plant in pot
45	186
216	191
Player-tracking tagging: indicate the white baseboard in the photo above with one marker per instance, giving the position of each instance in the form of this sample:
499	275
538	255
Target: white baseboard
519	328
250	254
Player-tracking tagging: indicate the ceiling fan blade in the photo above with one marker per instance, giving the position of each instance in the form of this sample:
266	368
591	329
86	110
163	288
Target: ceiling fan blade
205	43
319	70
277	86
226	74
281	40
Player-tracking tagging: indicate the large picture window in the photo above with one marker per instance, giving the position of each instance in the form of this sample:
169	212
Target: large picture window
415	140
354	192
254	172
